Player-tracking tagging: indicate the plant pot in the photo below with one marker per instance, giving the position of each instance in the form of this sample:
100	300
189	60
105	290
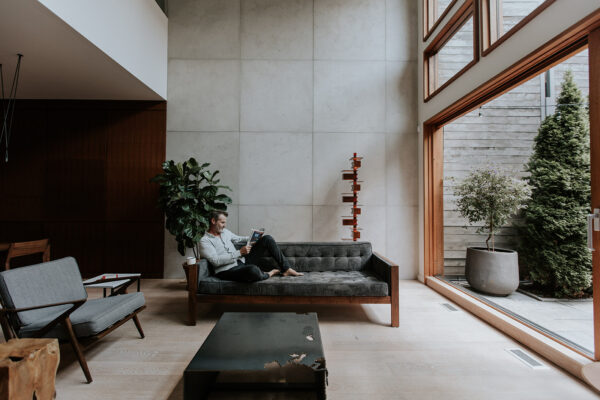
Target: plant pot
492	272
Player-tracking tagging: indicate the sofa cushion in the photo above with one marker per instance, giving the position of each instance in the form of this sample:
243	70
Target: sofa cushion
318	283
92	317
315	256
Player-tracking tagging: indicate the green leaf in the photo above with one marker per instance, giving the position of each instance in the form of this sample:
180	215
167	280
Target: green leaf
187	194
553	251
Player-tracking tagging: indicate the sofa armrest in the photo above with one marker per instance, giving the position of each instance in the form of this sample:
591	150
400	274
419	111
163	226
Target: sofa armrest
382	267
388	272
198	270
194	273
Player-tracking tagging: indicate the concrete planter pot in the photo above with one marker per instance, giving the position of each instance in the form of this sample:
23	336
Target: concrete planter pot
494	272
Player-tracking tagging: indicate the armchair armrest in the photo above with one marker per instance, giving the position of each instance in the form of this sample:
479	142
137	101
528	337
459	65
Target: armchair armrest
62	303
9	330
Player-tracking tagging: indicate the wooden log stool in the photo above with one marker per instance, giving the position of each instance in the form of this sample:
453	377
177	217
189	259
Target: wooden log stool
28	369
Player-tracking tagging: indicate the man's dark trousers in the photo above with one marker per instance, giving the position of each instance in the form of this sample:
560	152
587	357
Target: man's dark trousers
250	270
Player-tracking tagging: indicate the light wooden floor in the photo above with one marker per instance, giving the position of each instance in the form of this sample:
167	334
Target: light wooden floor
435	354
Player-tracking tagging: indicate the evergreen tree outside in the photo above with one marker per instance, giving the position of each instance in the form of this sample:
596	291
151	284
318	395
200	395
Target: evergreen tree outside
553	239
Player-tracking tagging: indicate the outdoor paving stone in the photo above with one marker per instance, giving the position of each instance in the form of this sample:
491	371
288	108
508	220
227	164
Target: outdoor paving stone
571	319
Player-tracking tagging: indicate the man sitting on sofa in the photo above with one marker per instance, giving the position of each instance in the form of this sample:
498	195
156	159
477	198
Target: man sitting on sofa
218	247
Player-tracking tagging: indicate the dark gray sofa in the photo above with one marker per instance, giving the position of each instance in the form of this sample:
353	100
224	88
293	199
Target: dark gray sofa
333	273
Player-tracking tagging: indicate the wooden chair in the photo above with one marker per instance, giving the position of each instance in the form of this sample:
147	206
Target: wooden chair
20	249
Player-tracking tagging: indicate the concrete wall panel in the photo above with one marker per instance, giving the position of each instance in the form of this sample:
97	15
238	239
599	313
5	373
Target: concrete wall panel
277	29
277	96
208	29
314	82
203	95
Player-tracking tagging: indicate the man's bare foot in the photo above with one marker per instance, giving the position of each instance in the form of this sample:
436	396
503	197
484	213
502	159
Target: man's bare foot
292	272
273	272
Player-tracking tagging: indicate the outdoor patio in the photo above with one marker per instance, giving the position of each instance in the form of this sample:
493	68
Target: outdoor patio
569	320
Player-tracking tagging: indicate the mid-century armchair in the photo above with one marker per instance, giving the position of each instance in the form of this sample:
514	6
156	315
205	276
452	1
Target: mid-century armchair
49	300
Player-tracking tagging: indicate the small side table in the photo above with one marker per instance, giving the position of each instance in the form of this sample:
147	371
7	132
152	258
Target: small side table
28	368
117	283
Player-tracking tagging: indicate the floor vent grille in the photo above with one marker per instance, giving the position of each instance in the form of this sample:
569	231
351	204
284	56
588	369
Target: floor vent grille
527	359
450	307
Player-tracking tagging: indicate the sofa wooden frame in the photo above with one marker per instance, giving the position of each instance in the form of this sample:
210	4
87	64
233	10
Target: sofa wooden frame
193	296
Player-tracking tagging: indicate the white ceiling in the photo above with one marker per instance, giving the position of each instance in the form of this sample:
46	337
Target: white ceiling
58	62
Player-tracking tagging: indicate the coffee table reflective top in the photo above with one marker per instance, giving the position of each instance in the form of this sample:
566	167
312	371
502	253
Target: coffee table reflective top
254	342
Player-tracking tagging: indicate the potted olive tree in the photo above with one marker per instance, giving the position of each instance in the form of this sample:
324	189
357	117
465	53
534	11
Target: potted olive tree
188	194
490	196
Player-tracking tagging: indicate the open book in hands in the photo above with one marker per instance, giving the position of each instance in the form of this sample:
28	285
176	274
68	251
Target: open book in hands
255	235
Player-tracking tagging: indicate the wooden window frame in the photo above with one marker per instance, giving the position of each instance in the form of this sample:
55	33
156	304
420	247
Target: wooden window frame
490	38
463	14
584	33
430	21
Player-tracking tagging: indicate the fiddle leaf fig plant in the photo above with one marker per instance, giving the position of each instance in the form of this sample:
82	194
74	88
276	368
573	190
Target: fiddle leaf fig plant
188	193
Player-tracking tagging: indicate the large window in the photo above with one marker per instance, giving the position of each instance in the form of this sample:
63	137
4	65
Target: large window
476	129
452	51
501	134
455	47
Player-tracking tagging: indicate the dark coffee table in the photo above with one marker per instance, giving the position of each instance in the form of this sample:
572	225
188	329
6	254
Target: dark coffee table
259	351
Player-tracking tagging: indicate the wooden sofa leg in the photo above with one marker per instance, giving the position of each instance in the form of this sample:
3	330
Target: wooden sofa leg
395	312
136	321
77	350
191	289
192	308
395	306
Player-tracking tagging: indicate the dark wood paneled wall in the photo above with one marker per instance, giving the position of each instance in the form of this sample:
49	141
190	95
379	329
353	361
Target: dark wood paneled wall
78	173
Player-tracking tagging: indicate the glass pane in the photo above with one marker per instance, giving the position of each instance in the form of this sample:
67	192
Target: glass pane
440	7
511	12
525	134
436	9
454	56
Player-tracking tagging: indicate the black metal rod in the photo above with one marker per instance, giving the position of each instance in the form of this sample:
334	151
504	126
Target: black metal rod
14	94
3	108
8	112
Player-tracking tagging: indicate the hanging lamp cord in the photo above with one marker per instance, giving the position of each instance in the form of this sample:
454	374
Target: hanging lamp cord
9	111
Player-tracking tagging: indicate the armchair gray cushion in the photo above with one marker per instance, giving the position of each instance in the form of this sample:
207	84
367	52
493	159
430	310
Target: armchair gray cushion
93	317
47	283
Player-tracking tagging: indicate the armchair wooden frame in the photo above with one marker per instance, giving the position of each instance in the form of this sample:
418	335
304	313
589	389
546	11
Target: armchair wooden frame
8	321
392	299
